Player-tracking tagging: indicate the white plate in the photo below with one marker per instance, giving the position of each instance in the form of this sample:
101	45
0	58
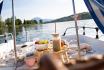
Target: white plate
41	46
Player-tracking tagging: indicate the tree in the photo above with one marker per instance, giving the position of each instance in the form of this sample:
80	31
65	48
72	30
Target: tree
40	21
8	22
29	22
18	22
1	23
35	21
3	27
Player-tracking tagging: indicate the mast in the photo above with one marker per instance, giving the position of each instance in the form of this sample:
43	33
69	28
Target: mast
14	30
76	26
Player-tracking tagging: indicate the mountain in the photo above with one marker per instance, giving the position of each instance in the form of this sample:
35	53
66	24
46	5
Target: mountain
81	16
46	20
37	19
43	20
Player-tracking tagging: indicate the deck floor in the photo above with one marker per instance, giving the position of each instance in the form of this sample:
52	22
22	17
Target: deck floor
97	46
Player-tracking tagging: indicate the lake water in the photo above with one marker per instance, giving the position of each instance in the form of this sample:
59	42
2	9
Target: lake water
44	31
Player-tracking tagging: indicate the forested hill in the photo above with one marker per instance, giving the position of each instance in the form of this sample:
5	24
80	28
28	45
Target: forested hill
81	16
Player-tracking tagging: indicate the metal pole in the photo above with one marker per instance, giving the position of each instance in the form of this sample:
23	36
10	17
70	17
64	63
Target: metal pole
76	26
14	31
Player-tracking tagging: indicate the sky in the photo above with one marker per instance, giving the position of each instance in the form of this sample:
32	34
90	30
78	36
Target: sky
46	9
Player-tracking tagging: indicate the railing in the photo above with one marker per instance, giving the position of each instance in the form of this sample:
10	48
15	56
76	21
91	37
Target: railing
84	33
7	34
6	37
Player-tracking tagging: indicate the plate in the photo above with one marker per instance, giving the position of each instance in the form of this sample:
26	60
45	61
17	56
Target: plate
41	46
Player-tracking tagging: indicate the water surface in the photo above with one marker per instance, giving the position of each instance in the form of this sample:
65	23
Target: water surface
44	31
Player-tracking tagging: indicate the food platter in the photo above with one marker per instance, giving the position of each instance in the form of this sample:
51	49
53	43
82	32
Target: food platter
43	48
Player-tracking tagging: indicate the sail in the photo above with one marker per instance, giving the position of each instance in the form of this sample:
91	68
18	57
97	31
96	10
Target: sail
1	3
96	9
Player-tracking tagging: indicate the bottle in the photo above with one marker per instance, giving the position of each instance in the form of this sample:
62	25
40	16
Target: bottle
56	42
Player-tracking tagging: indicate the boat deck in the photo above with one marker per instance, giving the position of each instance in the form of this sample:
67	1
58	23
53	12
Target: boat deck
96	45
